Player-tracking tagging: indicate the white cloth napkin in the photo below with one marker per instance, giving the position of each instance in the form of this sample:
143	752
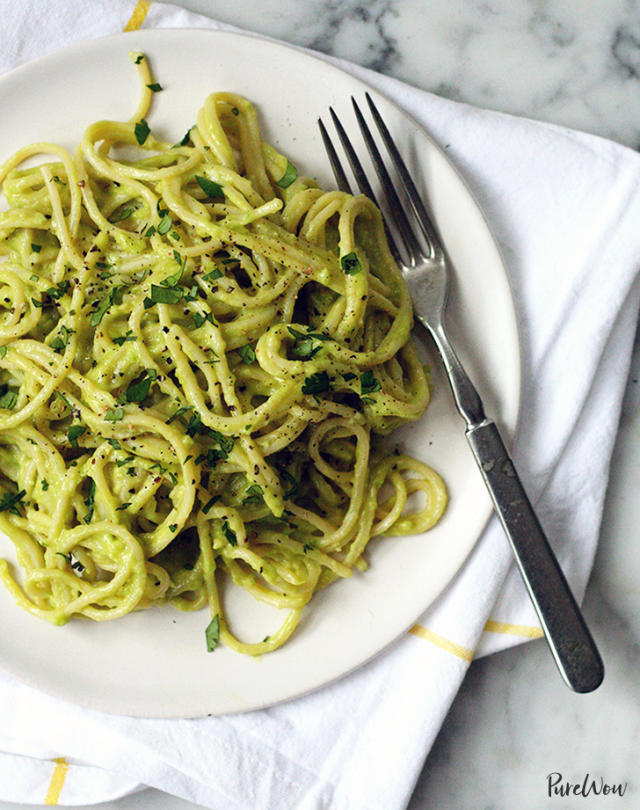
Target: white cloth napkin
565	209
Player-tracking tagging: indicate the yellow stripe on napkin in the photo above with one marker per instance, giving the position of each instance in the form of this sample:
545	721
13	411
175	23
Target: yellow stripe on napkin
57	781
441	641
524	630
139	13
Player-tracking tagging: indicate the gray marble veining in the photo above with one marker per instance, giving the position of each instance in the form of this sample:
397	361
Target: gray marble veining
571	62
574	63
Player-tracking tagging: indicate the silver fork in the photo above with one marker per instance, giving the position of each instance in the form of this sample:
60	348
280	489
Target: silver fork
427	274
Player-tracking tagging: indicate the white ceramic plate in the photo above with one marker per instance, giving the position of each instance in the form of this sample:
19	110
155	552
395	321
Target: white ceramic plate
154	663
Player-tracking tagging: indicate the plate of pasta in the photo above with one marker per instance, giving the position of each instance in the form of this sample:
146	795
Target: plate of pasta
230	470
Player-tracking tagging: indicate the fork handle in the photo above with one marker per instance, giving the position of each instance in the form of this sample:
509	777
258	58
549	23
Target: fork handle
569	639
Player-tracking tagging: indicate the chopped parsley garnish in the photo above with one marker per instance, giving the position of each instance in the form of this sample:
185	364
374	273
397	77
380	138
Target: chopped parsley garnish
166	295
45	484
155	87
248	354
150	230
304	347
199	319
350	264
74	433
192	293
316	383
212	633
139	58
348	375
122	461
289	176
179	413
315	335
213	275
8	398
254	495
114	415
173	527
60	341
368	383
195	423
213	455
89	501
210	503
292	489
210	188
122	339
58	291
141	131
3	351
164	226
115	444
114	296
174	279
36	248
9	501
296	333
185	138
235	111
226	443
229	534
138	391
124	213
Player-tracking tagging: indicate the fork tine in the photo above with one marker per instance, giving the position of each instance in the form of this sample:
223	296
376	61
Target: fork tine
420	211
395	206
354	162
334	160
358	171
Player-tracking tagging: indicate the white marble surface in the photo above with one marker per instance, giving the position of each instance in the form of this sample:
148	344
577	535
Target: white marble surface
574	63
567	61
